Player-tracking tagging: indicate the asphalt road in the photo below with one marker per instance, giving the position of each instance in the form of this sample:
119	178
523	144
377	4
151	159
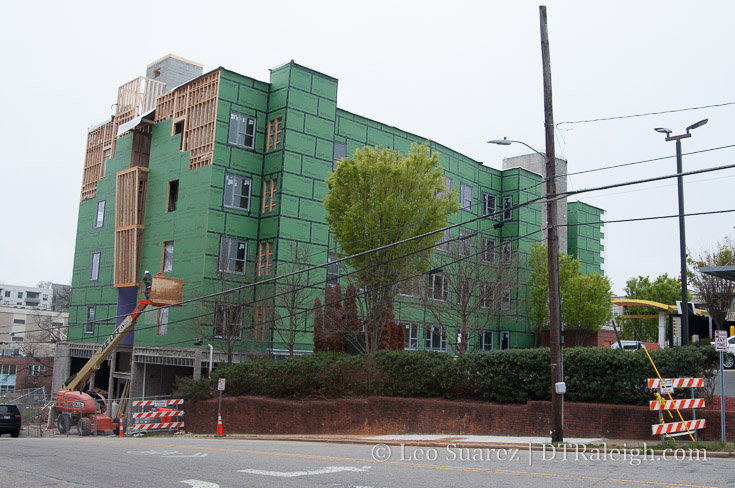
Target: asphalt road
729	383
210	463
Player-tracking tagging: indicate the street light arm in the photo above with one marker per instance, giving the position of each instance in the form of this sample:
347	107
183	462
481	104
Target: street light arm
507	142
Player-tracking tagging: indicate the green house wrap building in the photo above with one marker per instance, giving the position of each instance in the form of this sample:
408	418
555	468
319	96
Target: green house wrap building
219	179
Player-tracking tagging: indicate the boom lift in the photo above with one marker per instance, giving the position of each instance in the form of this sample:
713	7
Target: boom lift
88	409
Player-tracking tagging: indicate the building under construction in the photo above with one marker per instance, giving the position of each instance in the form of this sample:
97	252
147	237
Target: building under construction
214	178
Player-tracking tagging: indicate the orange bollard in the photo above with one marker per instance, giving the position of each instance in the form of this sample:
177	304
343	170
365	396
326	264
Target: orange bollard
121	429
220	430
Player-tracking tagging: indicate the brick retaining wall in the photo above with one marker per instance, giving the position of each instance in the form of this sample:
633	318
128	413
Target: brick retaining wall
385	415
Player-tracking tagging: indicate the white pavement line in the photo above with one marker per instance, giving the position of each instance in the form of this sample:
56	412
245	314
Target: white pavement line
200	484
295	474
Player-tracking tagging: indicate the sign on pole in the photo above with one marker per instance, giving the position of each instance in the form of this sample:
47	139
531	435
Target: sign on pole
221	384
721	340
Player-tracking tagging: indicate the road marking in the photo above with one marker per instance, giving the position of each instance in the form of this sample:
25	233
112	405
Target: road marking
296	474
169	454
200	484
507	472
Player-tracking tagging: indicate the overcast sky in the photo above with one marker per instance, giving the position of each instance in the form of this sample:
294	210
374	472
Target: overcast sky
459	73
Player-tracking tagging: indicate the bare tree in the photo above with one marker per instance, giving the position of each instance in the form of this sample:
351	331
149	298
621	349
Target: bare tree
716	293
470	290
42	336
292	297
221	320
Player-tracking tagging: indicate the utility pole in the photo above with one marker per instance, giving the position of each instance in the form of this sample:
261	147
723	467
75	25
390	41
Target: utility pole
552	243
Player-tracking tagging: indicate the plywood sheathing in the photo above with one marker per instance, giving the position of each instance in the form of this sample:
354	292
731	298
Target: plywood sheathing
196	104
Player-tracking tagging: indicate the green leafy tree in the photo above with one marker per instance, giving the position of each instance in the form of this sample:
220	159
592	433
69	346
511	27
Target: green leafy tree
663	289
538	286
379	197
717	294
587	305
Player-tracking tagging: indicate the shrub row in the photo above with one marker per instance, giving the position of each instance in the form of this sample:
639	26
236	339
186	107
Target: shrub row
511	376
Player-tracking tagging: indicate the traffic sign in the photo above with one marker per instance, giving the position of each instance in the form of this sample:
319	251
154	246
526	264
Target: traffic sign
221	384
721	340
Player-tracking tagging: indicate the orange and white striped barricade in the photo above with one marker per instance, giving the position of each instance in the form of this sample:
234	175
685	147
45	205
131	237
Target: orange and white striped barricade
161	418
662	403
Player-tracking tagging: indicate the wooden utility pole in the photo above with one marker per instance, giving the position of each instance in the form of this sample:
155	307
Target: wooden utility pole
552	243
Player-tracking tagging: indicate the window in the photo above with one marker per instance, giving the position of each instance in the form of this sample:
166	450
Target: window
332	270
227	320
265	258
465	197
488	205
237	191
16	338
488	250
438	287
162	322
505	300
505	340
465	242
7	376
507	208
447	187
173	195
506	252
45	297
89	326
20	294
436	338
233	255
7	294
340	151
242	130
105	157
444	243
260	323
274	133
410	288
269	194
487	340
488	296
35	369
19	321
412	337
167	262
100	218
94	270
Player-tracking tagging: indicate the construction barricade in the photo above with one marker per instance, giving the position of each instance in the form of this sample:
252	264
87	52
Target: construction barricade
663	390
156	415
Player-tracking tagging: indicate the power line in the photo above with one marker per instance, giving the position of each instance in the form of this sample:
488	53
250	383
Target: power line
618	117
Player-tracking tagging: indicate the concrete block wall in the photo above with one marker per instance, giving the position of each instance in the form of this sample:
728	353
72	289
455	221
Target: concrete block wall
173	71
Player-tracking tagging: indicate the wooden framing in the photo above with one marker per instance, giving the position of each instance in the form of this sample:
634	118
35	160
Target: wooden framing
196	104
134	98
275	127
270	187
265	258
129	214
137	97
99	139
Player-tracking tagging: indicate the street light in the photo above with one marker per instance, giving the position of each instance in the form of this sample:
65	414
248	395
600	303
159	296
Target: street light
682	234
558	388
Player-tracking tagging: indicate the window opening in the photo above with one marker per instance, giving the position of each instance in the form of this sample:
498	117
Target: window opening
167	264
173	195
274	133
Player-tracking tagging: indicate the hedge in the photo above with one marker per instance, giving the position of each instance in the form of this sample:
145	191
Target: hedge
600	375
